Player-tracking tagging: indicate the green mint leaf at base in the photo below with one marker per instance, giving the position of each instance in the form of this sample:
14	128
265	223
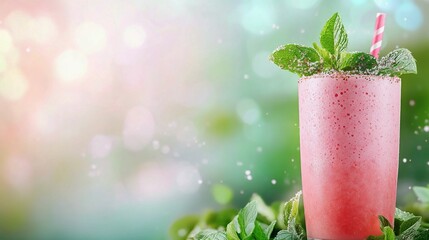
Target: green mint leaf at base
358	62
269	229
398	62
246	219
259	233
388	233
285	235
297	59
384	222
231	230
422	194
210	234
333	36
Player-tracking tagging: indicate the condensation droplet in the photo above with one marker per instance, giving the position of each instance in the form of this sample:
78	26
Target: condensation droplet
426	128
247	172
249	177
274	182
404	160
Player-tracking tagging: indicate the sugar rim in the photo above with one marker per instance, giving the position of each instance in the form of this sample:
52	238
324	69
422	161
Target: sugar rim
343	75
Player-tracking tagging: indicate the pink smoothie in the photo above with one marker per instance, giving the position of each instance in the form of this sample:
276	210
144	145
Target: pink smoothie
349	141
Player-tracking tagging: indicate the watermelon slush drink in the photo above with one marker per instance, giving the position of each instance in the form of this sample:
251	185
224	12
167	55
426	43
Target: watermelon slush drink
349	143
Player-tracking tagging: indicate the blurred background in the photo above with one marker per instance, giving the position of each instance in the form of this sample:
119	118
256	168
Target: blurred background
117	117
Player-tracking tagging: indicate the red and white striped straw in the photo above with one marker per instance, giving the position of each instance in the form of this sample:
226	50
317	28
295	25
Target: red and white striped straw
378	35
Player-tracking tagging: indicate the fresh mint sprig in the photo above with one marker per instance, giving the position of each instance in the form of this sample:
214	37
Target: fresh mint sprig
331	56
281	221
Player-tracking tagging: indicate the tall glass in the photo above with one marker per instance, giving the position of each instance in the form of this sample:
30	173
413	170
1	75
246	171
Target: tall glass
349	141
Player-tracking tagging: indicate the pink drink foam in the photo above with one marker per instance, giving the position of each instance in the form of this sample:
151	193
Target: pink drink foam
349	135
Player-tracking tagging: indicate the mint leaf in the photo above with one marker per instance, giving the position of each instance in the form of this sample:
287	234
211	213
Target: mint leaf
402	215
285	235
384	222
231	230
262	208
259	233
398	62
333	36
422	194
388	233
297	59
357	61
181	228
412	223
409	229
291	211
326	56
269	230
422	235
210	234
247	218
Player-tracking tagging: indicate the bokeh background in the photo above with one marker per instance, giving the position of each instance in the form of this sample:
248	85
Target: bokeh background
119	116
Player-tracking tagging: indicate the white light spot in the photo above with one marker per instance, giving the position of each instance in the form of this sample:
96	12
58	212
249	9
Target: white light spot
187	179
94	171
426	128
139	127
412	103
71	66
6	43
13	85
18	172
155	144
200	181
249	177
3	63
100	146
239	164
134	36
165	149
259	149
46	30
248	111
247	172
90	37
419	147
273	181
404	160
182	232
246	76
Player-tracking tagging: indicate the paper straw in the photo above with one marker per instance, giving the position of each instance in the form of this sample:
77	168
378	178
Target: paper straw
378	35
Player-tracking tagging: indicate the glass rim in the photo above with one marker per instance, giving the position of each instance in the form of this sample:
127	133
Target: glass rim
349	75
